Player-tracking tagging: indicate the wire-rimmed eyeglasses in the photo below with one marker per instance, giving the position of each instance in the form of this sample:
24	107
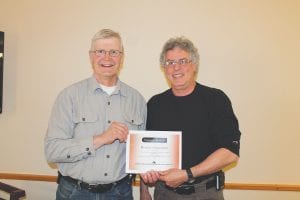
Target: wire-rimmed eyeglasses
111	53
182	61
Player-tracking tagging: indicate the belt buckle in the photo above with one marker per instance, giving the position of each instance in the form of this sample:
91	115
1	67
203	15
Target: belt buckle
185	189
92	188
104	187
99	188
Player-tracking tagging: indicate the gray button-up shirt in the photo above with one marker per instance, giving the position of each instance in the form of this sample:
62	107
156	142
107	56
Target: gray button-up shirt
82	111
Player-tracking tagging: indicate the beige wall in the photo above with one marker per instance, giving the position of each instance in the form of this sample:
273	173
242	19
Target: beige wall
249	49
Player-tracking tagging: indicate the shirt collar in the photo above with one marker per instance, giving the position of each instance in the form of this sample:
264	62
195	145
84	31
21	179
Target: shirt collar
95	86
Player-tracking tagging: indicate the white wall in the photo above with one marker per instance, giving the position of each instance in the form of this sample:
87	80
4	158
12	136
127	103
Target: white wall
249	49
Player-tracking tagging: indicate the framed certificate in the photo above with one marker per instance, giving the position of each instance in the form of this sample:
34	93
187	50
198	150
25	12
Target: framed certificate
153	150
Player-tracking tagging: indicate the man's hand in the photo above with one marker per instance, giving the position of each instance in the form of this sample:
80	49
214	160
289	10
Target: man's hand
173	177
150	177
116	131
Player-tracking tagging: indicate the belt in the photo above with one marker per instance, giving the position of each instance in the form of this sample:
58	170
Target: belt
218	181
95	188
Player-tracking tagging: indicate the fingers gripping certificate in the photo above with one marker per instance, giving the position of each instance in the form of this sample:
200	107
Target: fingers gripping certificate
153	150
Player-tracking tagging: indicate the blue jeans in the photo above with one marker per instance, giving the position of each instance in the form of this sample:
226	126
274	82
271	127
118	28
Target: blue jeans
70	191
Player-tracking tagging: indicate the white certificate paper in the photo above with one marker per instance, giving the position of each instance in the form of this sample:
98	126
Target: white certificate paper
153	150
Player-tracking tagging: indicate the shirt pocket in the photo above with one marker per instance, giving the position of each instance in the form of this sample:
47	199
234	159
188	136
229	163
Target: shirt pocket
133	121
85	124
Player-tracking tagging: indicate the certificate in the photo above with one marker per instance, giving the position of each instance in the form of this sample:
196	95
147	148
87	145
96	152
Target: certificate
153	150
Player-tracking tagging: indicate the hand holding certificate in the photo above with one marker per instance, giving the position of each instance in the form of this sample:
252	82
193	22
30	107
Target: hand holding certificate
153	150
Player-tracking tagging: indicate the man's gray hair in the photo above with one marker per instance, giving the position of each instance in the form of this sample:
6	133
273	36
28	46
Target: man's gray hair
104	34
184	44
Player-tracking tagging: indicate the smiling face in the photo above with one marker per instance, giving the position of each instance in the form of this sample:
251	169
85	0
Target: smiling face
180	76
106	67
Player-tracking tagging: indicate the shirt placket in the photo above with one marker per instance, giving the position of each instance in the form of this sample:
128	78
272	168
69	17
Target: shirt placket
109	119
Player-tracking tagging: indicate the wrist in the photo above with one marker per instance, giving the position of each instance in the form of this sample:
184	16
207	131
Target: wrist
190	176
98	141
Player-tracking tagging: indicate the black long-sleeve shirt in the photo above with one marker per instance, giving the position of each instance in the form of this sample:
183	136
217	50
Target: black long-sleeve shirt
205	117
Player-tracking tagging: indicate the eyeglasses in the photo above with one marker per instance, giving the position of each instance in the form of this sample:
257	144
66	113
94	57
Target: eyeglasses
111	53
182	61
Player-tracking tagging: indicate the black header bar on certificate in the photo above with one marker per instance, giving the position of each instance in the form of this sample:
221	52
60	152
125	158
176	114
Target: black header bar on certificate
155	140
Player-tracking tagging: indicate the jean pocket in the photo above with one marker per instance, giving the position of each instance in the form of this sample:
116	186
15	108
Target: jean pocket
124	190
65	190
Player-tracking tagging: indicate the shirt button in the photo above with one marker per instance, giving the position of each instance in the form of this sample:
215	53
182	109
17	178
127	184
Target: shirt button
87	149
107	156
68	156
109	121
89	153
108	103
105	174
83	119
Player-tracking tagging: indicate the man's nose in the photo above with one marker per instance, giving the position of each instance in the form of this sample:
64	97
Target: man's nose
176	66
106	55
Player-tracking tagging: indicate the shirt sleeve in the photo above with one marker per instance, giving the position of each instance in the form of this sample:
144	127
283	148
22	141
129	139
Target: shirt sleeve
60	144
144	113
225	124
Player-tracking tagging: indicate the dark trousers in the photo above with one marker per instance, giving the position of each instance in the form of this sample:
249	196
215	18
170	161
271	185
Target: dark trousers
201	193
